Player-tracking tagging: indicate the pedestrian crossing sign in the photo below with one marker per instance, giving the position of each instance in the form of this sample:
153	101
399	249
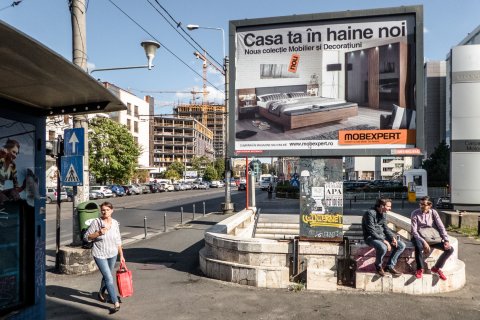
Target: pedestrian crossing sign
72	171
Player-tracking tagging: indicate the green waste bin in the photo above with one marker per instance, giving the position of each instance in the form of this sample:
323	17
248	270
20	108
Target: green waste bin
87	211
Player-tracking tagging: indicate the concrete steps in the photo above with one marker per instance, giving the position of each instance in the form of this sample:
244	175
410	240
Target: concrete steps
287	230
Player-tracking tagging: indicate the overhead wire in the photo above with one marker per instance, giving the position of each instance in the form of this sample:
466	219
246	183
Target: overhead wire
179	25
162	44
14	4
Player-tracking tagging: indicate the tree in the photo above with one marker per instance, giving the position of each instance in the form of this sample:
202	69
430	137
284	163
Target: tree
199	164
172	174
178	167
438	166
210	173
264	168
113	153
141	175
219	165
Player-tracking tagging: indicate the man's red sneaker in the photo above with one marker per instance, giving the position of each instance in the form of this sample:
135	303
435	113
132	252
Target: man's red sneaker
419	274
439	272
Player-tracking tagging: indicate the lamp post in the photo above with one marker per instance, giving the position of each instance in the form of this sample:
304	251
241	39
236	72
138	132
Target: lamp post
192	27
150	48
227	206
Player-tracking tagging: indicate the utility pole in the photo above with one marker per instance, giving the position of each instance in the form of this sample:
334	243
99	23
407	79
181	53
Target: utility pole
78	11
227	205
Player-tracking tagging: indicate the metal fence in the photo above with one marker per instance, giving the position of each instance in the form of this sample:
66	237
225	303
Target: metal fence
360	195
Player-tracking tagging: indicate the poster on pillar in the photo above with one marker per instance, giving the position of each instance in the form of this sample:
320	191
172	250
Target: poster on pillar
321	198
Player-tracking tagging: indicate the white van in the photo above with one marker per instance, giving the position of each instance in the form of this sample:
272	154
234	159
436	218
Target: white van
265	180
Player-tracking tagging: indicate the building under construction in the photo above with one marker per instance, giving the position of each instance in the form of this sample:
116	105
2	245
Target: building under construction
213	116
180	139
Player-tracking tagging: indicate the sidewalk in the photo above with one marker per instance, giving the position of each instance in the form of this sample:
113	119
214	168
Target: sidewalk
167	286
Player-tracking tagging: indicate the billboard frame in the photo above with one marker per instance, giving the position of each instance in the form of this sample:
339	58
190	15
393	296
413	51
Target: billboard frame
412	12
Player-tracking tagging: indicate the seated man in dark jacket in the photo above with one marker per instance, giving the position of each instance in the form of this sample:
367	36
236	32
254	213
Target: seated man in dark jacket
379	236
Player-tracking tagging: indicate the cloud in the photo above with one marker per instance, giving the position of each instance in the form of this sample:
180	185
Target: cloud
425	30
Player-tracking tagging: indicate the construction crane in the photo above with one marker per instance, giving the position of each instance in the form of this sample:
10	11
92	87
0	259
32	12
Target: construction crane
192	92
206	62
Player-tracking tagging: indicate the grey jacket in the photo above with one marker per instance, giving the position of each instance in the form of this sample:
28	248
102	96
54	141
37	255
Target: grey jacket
374	226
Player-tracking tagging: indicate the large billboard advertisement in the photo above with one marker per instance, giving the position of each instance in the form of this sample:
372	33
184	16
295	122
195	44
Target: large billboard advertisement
327	84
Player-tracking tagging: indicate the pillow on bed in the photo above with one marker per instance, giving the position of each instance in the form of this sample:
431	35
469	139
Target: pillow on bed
272	96
402	118
298	94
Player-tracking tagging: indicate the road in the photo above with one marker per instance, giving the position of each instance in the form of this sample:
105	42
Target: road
131	211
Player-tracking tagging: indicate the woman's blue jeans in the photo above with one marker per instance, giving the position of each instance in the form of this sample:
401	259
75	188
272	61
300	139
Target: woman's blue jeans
381	251
106	268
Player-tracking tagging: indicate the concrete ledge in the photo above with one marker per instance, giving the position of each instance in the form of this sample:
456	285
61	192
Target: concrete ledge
228	225
407	283
267	263
265	277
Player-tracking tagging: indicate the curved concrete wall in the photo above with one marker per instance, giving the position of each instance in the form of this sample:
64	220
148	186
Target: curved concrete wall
268	263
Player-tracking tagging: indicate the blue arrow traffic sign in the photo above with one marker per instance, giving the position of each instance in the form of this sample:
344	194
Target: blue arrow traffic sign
74	142
72	171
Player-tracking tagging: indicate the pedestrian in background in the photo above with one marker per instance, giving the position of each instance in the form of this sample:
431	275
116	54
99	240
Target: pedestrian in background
270	190
107	244
379	236
426	216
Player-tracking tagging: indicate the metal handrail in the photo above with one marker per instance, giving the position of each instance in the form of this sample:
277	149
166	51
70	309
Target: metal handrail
257	216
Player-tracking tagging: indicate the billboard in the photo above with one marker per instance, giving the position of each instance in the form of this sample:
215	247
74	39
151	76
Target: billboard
332	84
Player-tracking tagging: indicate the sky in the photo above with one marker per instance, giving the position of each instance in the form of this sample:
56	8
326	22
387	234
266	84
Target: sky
114	37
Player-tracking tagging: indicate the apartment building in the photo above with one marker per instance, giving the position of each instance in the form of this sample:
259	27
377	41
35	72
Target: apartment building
137	119
180	139
213	116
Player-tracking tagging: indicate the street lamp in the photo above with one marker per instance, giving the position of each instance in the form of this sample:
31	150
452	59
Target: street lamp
196	26
150	48
227	205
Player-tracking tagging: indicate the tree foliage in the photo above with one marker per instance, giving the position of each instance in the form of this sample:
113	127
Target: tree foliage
113	153
219	165
210	173
438	166
178	167
172	174
141	175
199	164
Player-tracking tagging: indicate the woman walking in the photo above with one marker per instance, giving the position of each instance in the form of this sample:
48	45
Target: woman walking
107	244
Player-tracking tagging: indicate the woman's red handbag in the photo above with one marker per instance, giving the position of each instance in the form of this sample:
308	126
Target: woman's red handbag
124	281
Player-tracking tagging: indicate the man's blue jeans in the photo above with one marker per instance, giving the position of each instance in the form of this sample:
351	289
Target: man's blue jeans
381	250
106	268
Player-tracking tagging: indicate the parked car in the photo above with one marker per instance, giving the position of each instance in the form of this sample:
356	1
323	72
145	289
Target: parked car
217	184
384	186
69	191
202	185
167	187
146	188
104	191
354	185
117	190
92	195
51	195
154	187
443	203
242	186
179	186
131	190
